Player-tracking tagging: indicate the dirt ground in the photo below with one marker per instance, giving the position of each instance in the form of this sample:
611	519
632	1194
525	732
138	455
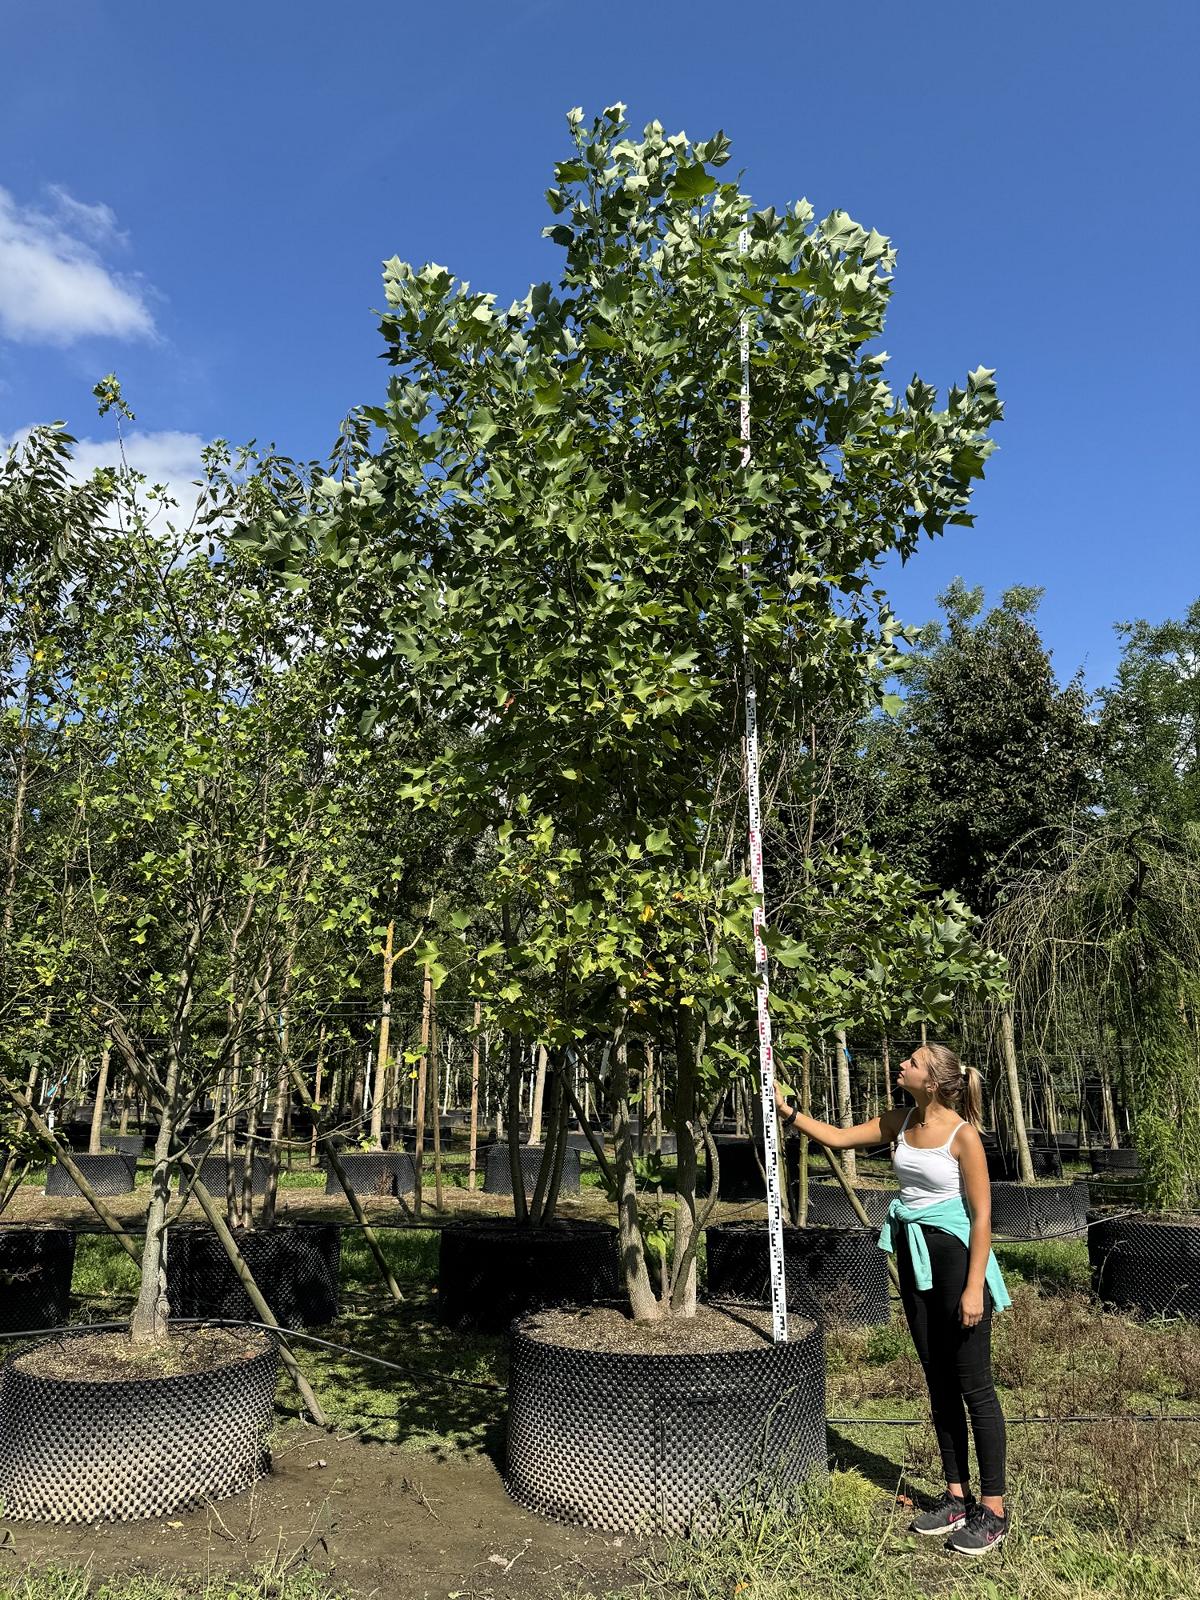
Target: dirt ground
379	1521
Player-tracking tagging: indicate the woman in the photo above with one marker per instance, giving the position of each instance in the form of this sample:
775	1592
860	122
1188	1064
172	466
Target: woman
949	1281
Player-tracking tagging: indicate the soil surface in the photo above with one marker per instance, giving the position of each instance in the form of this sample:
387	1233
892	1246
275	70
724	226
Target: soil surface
712	1329
112	1358
396	1524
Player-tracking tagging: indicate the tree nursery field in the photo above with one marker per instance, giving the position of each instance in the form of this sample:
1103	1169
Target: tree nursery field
420	868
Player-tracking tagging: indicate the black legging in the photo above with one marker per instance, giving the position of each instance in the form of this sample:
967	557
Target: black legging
957	1360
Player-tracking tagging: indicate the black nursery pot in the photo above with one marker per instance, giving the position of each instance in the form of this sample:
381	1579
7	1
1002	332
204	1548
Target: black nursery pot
832	1274
633	1442
1042	1211
741	1177
1147	1266
295	1266
94	1450
125	1144
1116	1163
35	1277
497	1175
107	1174
829	1207
375	1173
1045	1161
214	1172
491	1270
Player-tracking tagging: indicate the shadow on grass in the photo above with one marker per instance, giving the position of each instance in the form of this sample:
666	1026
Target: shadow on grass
885	1472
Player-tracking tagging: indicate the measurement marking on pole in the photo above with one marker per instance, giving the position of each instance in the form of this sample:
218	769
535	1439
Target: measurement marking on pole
766	1056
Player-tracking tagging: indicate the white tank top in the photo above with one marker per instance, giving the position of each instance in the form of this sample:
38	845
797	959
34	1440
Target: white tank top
927	1177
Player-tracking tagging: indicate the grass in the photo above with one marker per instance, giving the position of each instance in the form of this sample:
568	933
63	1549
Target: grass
1107	1509
270	1582
841	1536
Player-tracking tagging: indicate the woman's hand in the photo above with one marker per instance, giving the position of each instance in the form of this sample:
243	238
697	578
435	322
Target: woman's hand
781	1104
970	1307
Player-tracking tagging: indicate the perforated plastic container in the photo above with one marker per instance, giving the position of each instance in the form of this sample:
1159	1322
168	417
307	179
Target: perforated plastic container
1147	1266
630	1442
35	1276
108	1175
497	1175
294	1265
374	1173
491	1270
832	1274
84	1450
1039	1211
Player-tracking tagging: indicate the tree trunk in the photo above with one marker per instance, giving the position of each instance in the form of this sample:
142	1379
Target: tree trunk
1013	1079
101	1092
886	1057
688	1048
422	1078
515	1074
435	1109
279	1110
474	1132
845	1109
316	1098
15	825
148	1324
1106	1101
385	1024
642	1300
800	1215
539	1092
126	1103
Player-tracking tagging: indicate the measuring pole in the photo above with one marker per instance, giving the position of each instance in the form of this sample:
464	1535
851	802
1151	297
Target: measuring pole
766	1058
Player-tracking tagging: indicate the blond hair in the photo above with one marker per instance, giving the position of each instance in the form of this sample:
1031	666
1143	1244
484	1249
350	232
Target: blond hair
956	1085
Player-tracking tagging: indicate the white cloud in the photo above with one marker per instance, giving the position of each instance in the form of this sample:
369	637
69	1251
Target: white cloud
169	458
55	286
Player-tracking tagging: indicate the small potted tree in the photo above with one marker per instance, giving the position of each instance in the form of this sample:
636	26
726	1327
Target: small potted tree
100	1424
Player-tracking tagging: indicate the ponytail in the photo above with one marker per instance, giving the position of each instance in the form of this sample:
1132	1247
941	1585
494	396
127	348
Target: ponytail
958	1086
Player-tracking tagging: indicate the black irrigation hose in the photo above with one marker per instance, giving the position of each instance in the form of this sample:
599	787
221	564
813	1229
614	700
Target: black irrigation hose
1015	1422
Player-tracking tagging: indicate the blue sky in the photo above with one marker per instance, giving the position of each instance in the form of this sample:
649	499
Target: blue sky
201	198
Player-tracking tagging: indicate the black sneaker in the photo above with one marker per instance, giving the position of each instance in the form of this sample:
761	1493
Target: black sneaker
982	1531
944	1515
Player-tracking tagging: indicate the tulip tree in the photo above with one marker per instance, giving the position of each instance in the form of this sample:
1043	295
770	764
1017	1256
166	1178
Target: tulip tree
543	559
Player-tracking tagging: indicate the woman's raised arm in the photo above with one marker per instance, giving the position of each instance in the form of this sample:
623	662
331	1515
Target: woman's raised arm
879	1130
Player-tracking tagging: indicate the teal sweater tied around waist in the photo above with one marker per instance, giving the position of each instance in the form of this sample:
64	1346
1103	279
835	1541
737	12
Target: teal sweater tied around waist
951	1217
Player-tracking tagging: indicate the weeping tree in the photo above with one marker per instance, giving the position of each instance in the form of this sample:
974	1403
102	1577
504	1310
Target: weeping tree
863	945
557	558
1108	935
